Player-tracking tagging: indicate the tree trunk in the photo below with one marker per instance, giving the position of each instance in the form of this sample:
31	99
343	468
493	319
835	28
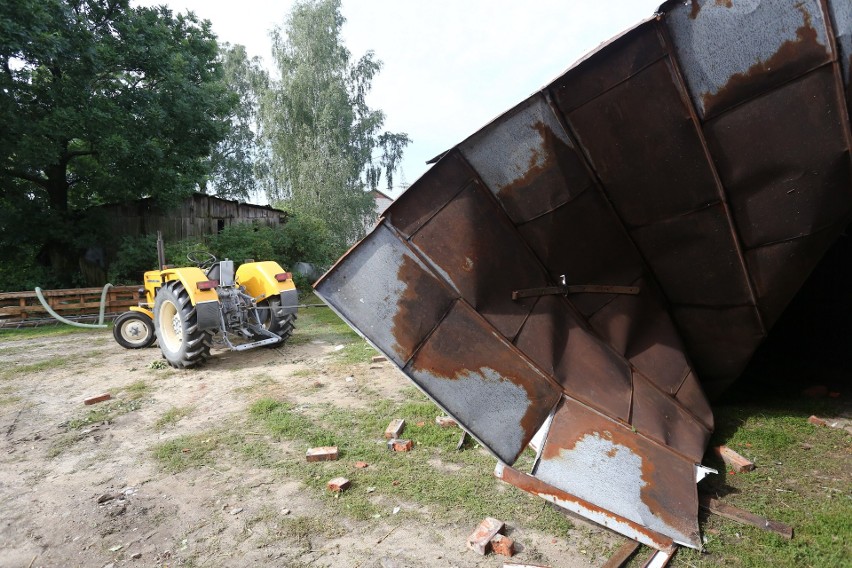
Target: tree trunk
58	249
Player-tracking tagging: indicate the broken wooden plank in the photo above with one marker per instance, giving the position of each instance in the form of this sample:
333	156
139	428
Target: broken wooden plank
737	462
736	514
660	558
622	555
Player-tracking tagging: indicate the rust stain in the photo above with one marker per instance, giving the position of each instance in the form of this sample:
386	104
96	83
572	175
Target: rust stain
422	300
741	84
533	485
695	9
447	357
542	167
574	422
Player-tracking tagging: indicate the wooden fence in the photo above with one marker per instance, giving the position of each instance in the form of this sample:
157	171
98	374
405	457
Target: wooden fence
18	308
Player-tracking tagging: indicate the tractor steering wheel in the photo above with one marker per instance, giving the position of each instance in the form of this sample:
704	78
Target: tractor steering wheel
200	258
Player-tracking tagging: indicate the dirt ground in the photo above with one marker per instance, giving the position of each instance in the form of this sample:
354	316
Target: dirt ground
95	496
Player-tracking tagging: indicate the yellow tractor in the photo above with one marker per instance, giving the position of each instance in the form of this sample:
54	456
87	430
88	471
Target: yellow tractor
184	308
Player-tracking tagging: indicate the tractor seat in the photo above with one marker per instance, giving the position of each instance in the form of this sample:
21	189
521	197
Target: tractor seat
223	272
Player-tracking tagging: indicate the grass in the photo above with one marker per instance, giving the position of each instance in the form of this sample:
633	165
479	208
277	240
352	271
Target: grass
184	452
45	331
322	324
38	367
412	476
802	477
172	416
130	401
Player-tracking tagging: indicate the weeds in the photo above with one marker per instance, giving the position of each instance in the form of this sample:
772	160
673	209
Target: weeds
184	452
172	416
401	476
105	412
801	478
38	367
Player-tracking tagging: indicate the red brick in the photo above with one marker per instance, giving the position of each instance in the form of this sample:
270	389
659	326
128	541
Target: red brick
395	428
339	484
97	399
816	421
445	422
361	465
733	459
480	540
503	545
398	445
324	453
816	391
379	359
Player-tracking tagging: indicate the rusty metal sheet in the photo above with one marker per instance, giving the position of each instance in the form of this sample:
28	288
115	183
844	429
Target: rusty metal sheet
694	257
778	187
501	398
461	243
703	157
780	269
841	20
665	173
528	161
414	209
732	51
604	517
603	462
615	62
720	341
560	240
639	328
585	366
388	294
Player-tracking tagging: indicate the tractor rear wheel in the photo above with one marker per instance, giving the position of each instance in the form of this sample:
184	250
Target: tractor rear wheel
273	320
182	342
133	330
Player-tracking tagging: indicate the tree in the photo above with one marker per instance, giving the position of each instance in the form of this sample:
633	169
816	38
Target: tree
327	146
101	102
238	162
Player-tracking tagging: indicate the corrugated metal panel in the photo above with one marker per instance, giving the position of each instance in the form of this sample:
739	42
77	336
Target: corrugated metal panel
730	52
701	157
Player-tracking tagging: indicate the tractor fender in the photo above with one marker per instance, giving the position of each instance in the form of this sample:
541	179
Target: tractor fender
206	302
259	279
141	310
289	301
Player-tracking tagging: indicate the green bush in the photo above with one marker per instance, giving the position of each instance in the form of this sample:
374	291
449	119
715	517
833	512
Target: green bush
135	255
20	271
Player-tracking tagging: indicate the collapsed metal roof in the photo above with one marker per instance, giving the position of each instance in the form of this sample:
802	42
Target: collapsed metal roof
698	166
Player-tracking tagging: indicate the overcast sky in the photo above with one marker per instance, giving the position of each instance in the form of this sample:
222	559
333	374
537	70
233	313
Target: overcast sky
450	66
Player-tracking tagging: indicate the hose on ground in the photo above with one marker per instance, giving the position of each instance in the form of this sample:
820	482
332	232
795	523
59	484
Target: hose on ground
98	325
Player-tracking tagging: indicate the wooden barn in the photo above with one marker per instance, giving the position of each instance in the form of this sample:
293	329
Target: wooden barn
199	214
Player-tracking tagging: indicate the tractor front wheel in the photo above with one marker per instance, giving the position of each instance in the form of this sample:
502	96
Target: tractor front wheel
133	330
176	323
